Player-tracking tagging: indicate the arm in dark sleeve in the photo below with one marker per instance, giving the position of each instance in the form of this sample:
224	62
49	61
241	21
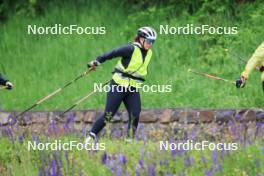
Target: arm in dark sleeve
2	80
124	52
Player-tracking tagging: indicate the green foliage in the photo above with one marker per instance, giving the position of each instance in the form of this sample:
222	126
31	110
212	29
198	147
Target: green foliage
38	64
30	8
6	152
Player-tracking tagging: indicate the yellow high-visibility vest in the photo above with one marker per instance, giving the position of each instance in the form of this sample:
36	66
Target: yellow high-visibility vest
136	68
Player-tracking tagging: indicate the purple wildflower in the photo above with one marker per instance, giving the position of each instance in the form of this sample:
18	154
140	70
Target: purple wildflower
26	118
144	138
21	138
209	172
35	138
104	158
10	135
119	170
192	134
188	161
117	133
203	159
214	157
122	159
173	153
168	174
142	153
259	124
140	162
112	170
149	155
12	120
53	129
52	168
238	117
66	127
70	118
153	170
59	162
138	168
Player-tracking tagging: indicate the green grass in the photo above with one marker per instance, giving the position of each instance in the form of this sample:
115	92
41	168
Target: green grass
244	161
37	65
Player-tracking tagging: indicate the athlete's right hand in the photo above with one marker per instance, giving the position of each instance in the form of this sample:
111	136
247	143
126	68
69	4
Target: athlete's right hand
93	64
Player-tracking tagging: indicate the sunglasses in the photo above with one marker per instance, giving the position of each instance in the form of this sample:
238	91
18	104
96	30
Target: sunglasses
149	41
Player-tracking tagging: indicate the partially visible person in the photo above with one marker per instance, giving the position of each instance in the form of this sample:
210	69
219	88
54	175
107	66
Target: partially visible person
5	82
255	62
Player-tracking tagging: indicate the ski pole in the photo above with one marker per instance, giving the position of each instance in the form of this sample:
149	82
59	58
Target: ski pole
81	100
211	76
236	56
55	92
3	87
240	58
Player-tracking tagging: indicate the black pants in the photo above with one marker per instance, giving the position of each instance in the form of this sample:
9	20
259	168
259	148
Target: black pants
115	96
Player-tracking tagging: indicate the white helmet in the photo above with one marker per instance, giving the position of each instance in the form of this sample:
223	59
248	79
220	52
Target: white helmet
147	33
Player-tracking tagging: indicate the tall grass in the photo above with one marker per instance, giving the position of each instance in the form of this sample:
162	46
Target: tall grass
38	64
121	158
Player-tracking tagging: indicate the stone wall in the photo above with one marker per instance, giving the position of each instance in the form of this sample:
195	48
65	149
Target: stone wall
211	124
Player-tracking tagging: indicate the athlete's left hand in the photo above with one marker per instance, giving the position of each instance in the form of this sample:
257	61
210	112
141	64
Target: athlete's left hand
261	69
241	82
9	85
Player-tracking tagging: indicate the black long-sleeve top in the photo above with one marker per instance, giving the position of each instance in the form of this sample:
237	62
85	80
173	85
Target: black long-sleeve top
125	52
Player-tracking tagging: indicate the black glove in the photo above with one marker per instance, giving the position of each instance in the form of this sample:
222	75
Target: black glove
93	64
241	82
261	69
9	85
263	86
